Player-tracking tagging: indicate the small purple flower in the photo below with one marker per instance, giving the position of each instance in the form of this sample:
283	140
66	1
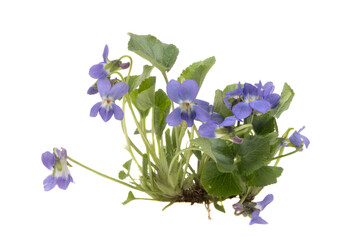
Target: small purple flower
260	206
297	139
266	92
105	68
184	94
98	70
251	101
57	162
109	94
235	94
253	209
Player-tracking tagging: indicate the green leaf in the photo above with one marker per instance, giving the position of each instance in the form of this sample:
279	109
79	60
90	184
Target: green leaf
122	175
264	124
284	103
205	145
220	184
253	152
130	197
143	97
161	55
127	165
169	146
265	176
224	154
135	81
219	106
162	105
198	70
219	206
145	165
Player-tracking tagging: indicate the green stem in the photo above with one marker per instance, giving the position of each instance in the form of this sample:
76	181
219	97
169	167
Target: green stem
245	195
285	155
285	135
128	75
101	174
142	133
135	148
177	155
166	82
127	139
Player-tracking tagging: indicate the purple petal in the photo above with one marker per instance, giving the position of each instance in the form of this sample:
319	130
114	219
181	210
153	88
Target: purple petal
105	53
92	90
226	102
118	90
296	139
63	182
228	121
48	160
268	89
235	92
217	117
203	104
249	91
104	86
267	200
301	129
260	105
273	99
97	71
188	90
172	90
49	183
201	114
174	118
242	110
106	115
118	112
188	117
306	141
207	130
95	109
63	153
256	219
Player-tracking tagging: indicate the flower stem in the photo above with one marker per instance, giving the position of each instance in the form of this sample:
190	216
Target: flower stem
102	175
285	155
245	195
128	75
128	140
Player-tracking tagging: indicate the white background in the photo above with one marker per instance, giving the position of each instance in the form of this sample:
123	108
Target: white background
46	50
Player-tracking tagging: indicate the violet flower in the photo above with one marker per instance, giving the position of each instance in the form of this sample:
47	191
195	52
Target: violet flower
184	94
109	94
105	68
235	94
297	139
253	209
260	206
266	92
98	70
58	163
251	101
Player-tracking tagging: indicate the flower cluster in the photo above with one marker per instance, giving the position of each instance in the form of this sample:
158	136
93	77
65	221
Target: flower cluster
109	90
57	163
